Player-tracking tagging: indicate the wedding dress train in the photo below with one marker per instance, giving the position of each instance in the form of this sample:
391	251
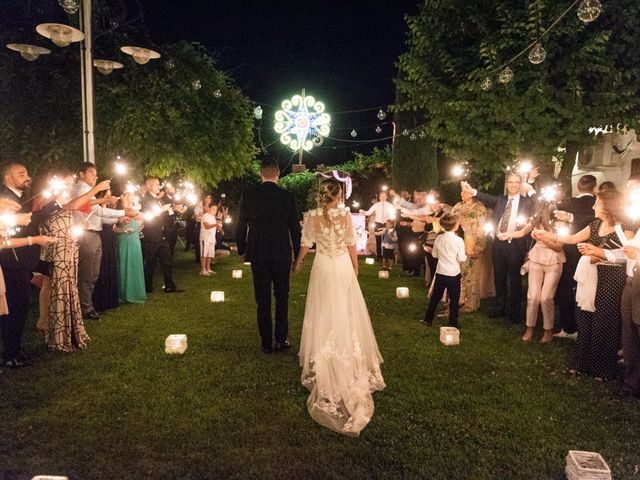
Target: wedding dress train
338	351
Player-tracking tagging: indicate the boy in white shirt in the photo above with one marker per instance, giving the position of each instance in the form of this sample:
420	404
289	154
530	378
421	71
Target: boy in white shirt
209	225
449	250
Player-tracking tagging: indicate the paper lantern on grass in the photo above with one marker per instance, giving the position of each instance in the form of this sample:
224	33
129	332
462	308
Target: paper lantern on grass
247	263
369	261
176	344
49	477
217	296
383	274
236	274
586	465
402	292
449	335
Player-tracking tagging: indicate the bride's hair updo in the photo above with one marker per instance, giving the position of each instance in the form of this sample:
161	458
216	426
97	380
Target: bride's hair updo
327	192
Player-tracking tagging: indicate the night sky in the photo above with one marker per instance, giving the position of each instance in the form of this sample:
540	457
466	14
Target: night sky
342	52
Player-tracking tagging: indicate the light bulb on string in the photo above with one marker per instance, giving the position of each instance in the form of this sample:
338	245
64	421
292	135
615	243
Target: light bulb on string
217	93
589	10
405	132
354	134
412	137
506	75
381	115
378	129
537	54
257	113
69	6
422	134
196	84
486	84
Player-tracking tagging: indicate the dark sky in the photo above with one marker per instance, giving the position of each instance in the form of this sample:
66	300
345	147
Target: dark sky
342	52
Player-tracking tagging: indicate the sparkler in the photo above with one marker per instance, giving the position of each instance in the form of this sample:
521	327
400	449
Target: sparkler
356	204
633	209
120	168
8	222
413	247
56	187
563	231
488	228
228	220
385	188
431	199
457	171
77	231
550	193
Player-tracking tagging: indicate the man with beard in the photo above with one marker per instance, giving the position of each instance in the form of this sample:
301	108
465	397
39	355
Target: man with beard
19	263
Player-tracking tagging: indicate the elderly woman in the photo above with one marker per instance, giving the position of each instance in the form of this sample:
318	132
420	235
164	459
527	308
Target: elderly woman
472	214
599	287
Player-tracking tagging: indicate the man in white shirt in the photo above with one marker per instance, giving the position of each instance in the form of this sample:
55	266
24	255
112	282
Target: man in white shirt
449	250
382	211
90	244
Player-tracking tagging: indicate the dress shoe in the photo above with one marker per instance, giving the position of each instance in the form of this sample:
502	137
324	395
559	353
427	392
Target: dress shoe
267	350
93	315
282	346
173	290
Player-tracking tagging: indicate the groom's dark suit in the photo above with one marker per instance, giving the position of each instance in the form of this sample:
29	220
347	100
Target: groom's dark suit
268	229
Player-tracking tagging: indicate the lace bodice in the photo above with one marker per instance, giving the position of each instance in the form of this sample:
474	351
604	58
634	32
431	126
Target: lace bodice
331	238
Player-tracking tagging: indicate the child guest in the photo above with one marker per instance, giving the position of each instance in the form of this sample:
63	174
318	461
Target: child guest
208	228
389	245
449	250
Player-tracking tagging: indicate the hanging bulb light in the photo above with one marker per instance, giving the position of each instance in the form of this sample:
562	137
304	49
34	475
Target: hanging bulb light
61	35
69	6
217	93
169	65
506	75
257	113
381	115
422	134
354	134
537	54
196	84
405	132
105	67
412	137
378	129
589	10
486	84
28	52
140	55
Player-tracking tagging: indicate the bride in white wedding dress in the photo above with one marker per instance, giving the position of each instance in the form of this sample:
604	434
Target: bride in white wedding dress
338	351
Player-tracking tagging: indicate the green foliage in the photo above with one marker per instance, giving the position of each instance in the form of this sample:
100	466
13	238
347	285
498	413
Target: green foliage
155	116
303	185
491	408
591	77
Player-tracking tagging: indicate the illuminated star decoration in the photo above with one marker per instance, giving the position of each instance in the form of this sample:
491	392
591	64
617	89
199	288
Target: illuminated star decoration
305	126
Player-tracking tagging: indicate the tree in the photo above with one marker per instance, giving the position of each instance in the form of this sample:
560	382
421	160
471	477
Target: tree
591	77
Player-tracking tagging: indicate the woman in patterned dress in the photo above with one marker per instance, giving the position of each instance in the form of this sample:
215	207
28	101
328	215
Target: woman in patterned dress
599	330
66	328
472	214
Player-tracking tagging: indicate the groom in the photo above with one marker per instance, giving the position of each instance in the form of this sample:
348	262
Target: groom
268	229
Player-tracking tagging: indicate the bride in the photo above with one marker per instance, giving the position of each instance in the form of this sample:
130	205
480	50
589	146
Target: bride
338	351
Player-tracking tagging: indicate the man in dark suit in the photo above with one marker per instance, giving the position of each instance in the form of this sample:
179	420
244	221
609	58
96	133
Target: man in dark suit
510	213
18	264
268	229
155	243
578	211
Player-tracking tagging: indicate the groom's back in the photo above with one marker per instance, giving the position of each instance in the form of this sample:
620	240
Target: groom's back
268	225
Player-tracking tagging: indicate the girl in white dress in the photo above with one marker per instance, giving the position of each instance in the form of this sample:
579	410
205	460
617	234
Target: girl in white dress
338	351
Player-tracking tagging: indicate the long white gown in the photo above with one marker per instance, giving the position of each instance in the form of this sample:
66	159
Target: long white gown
338	351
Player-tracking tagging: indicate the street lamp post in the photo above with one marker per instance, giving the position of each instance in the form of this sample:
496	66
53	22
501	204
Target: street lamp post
86	74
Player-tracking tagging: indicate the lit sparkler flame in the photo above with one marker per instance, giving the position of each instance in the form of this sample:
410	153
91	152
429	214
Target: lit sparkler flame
488	228
120	168
457	171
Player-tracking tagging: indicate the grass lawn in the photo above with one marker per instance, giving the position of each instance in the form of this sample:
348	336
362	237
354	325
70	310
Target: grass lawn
492	407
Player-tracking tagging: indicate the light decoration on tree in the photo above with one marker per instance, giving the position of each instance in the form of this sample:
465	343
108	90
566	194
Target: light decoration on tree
486	84
302	123
589	10
506	75
381	115
537	54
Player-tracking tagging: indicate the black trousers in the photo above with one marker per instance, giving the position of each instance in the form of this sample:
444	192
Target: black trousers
268	276
452	285
566	297
18	285
507	261
379	240
151	253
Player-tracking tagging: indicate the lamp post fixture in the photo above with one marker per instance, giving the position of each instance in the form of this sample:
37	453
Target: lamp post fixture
27	51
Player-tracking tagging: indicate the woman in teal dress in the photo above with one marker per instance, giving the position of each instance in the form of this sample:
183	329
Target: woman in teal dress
131	269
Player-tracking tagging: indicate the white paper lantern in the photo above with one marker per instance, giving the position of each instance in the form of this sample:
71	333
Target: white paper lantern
176	343
247	263
402	292
217	296
369	261
236	274
449	335
383	274
49	477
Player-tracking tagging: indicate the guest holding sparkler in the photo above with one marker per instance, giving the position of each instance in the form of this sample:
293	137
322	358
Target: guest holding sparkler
600	286
578	213
105	293
199	209
508	256
208	228
19	263
131	266
472	214
90	243
544	265
66	330
382	211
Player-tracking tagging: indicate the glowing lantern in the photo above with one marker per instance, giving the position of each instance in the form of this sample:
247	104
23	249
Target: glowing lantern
402	292
449	335
236	274
383	274
217	297
369	261
176	343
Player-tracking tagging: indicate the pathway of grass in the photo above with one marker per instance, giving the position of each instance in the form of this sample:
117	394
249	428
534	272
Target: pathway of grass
491	408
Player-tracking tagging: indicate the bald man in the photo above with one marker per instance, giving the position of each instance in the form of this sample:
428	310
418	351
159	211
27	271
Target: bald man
18	264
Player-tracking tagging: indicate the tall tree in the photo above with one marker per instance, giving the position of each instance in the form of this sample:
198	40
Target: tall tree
590	77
